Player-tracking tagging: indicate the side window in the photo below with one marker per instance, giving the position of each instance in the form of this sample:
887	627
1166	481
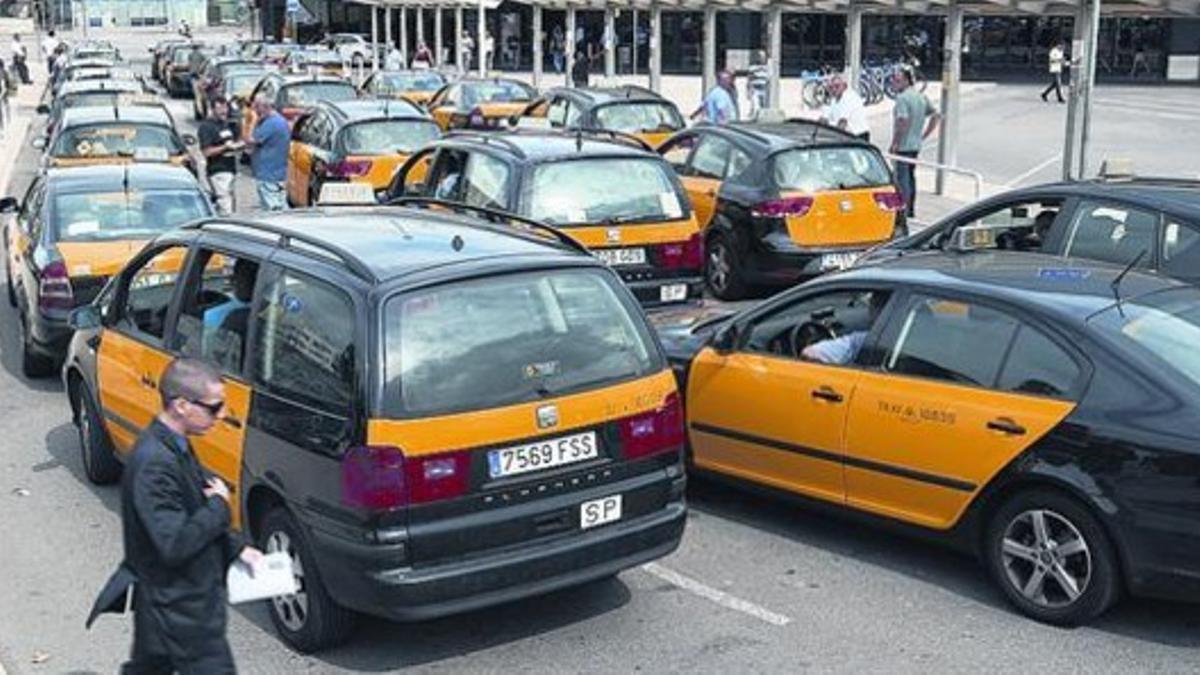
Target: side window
677	153
324	132
950	340
710	158
300	131
1181	250
556	114
1036	365
30	217
304	347
738	162
1021	226
215	312
830	328
452	95
1113	234
486	182
444	181
148	292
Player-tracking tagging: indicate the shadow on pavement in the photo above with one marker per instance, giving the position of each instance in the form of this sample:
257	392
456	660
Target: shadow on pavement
1164	623
62	444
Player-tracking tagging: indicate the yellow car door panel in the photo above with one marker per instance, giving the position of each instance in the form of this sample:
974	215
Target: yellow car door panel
118	369
220	450
703	194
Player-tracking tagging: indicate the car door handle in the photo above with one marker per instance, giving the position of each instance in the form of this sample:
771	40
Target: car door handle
148	381
1005	425
232	421
827	394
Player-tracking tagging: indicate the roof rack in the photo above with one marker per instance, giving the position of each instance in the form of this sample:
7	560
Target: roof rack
286	237
488	138
493	216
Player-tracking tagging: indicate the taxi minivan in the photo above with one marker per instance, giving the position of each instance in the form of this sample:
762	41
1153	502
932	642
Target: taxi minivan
428	411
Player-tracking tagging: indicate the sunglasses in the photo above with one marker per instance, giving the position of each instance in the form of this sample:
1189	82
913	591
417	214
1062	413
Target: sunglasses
213	409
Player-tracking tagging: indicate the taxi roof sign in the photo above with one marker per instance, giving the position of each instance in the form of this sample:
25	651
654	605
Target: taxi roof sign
346	194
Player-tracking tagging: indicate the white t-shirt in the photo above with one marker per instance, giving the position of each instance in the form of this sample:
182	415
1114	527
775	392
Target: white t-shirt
18	49
850	108
1056	60
49	44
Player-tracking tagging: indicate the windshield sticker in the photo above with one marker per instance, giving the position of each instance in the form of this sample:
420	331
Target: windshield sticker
292	304
82	227
535	371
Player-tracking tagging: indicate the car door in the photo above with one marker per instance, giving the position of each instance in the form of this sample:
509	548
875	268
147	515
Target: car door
1180	250
443	104
706	170
20	243
132	353
762	411
1023	222
300	156
963	388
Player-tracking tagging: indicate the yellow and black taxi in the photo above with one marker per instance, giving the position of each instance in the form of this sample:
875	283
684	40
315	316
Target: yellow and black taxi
316	60
428	412
480	103
295	94
209	79
275	53
90	69
158	54
613	195
116	134
1039	412
73	230
362	141
177	65
418	86
781	202
630	109
95	49
90	93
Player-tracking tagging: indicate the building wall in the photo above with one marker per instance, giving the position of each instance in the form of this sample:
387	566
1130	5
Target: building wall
128	13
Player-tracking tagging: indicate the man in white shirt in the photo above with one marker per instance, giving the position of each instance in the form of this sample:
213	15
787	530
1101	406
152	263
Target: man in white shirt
846	111
1056	59
49	44
20	58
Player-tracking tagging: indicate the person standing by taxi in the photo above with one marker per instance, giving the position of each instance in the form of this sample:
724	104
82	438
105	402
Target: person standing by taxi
50	45
914	120
719	106
846	110
268	147
219	142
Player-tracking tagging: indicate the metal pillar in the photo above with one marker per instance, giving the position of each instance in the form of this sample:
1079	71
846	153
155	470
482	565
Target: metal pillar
634	46
387	27
656	48
481	30
774	56
404	35
951	95
438	42
610	43
854	15
458	44
375	38
1079	94
1093	37
538	38
420	24
570	46
710	50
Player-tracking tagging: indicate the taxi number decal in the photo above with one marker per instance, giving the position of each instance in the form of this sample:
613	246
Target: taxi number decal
916	415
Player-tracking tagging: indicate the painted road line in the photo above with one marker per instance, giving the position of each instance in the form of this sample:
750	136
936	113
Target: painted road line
717	596
1035	170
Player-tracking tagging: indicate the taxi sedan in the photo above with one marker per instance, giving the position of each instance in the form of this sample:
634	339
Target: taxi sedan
1036	411
480	103
116	135
74	229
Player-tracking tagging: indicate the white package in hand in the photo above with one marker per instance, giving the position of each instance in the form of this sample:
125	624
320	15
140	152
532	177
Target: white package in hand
273	577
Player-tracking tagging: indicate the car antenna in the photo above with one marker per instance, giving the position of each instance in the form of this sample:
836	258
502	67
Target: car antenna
1116	282
578	140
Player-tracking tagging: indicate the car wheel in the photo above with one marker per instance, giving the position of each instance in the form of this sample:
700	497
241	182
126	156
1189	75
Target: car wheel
309	619
722	270
33	364
1052	558
100	464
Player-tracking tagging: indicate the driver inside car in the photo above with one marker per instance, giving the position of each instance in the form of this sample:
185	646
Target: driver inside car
843	349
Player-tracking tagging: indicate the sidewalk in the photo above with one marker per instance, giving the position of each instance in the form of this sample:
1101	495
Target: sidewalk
23	106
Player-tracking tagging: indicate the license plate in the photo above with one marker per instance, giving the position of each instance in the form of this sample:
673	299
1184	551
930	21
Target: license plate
838	261
672	293
542	455
600	511
622	256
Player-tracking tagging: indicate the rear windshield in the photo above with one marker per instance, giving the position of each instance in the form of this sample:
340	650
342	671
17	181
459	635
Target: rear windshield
242	84
603	190
90	98
397	82
495	92
136	214
1165	325
830	168
309	93
145	142
639	117
322	56
506	340
181	56
388	136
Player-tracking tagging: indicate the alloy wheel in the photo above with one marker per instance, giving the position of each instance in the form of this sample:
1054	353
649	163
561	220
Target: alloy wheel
718	266
292	610
1046	558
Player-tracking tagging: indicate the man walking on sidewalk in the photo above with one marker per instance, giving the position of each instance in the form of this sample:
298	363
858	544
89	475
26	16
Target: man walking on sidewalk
912	111
268	145
20	59
219	143
1056	60
50	44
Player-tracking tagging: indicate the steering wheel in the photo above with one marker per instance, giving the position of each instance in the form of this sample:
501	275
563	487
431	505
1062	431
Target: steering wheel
807	333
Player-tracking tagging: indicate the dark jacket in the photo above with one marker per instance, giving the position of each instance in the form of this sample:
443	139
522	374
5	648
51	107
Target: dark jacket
580	71
178	547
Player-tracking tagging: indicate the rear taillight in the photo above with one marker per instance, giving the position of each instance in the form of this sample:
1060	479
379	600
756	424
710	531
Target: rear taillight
889	201
685	255
381	478
435	477
54	287
780	208
350	168
655	432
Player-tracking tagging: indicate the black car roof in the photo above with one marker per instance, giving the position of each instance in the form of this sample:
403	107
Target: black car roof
541	146
601	95
288	79
359	110
774	137
1179	196
110	177
1069	288
155	114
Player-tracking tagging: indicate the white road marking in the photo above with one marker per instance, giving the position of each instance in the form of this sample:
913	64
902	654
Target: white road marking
1049	160
719	597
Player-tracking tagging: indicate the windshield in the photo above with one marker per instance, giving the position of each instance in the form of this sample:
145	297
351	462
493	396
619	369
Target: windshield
640	116
499	341
830	168
90	98
118	140
397	82
181	56
388	136
495	92
604	190
1164	324
325	56
137	214
242	84
307	94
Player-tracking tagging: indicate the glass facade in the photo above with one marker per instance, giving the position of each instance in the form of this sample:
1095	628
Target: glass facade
133	13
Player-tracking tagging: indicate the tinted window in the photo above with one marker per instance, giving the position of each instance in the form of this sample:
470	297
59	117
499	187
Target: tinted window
649	116
136	214
609	190
1112	233
148	293
1181	250
385	137
485	182
831	168
710	158
1036	365
950	340
504	340
677	152
305	343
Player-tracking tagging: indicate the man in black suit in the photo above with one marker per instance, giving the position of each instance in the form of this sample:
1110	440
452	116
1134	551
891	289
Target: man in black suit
176	529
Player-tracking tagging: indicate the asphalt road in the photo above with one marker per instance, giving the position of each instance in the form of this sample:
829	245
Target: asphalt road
757	585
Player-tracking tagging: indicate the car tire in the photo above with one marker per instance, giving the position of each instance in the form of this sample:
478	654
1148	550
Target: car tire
309	620
100	463
1077	576
33	364
722	269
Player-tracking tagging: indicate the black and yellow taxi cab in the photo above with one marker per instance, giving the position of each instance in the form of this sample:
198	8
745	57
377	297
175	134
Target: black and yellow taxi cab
94	49
272	52
88	93
295	94
429	412
480	103
73	230
612	194
89	69
1037	411
418	86
178	64
628	109
157	55
361	141
116	134
320	60
781	202
209	78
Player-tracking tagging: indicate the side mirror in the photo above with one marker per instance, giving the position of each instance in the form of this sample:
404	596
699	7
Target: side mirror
725	339
8	205
189	139
39	143
86	317
43	109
